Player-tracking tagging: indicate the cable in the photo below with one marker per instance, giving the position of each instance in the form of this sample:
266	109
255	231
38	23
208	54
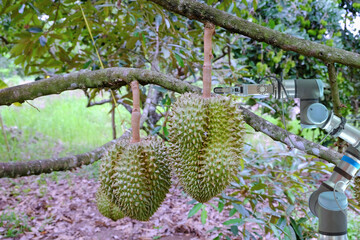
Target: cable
282	105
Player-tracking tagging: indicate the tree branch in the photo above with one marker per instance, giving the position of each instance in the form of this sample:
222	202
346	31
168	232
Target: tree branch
335	98
334	89
204	13
104	78
19	169
144	76
279	134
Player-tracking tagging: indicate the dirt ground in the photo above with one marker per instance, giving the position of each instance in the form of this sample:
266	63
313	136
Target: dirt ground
63	207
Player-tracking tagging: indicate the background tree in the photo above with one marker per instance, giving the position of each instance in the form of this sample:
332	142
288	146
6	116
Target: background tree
50	38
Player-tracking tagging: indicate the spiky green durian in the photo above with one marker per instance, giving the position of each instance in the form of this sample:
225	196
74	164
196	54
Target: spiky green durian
136	176
106	207
206	137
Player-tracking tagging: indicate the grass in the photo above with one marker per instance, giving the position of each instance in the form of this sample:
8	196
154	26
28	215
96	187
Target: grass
14	224
63	126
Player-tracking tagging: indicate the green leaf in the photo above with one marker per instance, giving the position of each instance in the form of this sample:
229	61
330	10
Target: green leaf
17	104
215	207
255	4
220	206
155	130
203	216
166	132
234	229
271	23
234	221
194	210
3	84
35	30
179	60
258	186
87	64
232	212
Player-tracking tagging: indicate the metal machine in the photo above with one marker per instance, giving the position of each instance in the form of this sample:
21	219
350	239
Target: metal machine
328	202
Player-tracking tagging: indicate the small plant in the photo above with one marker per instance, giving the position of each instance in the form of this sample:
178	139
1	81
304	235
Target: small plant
14	224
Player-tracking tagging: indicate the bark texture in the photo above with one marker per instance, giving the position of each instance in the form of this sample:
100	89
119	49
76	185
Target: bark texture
104	78
61	164
195	10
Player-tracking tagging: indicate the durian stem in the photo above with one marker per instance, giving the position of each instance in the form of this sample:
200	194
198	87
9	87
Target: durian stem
208	32
135	115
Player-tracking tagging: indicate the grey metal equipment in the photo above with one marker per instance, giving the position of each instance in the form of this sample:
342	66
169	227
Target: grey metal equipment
328	202
309	91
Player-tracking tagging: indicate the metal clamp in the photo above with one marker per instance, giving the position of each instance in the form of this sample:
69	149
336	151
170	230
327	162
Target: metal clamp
336	132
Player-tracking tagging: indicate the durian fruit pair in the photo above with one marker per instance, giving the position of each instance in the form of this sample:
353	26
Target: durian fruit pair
135	174
206	141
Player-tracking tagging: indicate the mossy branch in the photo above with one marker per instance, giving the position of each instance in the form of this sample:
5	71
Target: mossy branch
195	10
335	98
30	91
334	89
104	78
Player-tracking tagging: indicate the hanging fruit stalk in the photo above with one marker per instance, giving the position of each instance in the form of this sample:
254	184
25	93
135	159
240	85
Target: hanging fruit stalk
208	33
206	136
135	173
135	115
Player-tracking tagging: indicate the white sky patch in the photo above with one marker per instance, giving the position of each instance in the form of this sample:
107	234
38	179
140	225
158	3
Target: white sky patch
354	27
44	17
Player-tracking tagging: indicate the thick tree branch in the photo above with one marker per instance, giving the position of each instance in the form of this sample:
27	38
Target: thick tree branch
204	13
143	76
19	169
110	77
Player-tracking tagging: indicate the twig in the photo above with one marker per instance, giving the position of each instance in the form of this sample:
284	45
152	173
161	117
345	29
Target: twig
32	106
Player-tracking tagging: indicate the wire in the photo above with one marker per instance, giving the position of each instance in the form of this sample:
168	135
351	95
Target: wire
282	104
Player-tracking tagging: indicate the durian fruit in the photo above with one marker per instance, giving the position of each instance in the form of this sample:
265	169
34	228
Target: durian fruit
135	174
206	136
106	207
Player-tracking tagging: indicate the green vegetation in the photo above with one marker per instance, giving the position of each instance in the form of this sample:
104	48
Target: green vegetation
14	224
50	37
64	126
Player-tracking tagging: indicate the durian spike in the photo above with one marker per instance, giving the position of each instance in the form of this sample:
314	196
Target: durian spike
208	33
135	115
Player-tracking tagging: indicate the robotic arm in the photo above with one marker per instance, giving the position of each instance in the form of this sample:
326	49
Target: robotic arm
329	206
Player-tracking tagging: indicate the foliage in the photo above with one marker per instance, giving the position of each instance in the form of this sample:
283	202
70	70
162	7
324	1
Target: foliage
49	37
62	127
14	224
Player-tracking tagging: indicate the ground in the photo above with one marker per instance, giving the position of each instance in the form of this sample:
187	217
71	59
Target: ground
62	206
